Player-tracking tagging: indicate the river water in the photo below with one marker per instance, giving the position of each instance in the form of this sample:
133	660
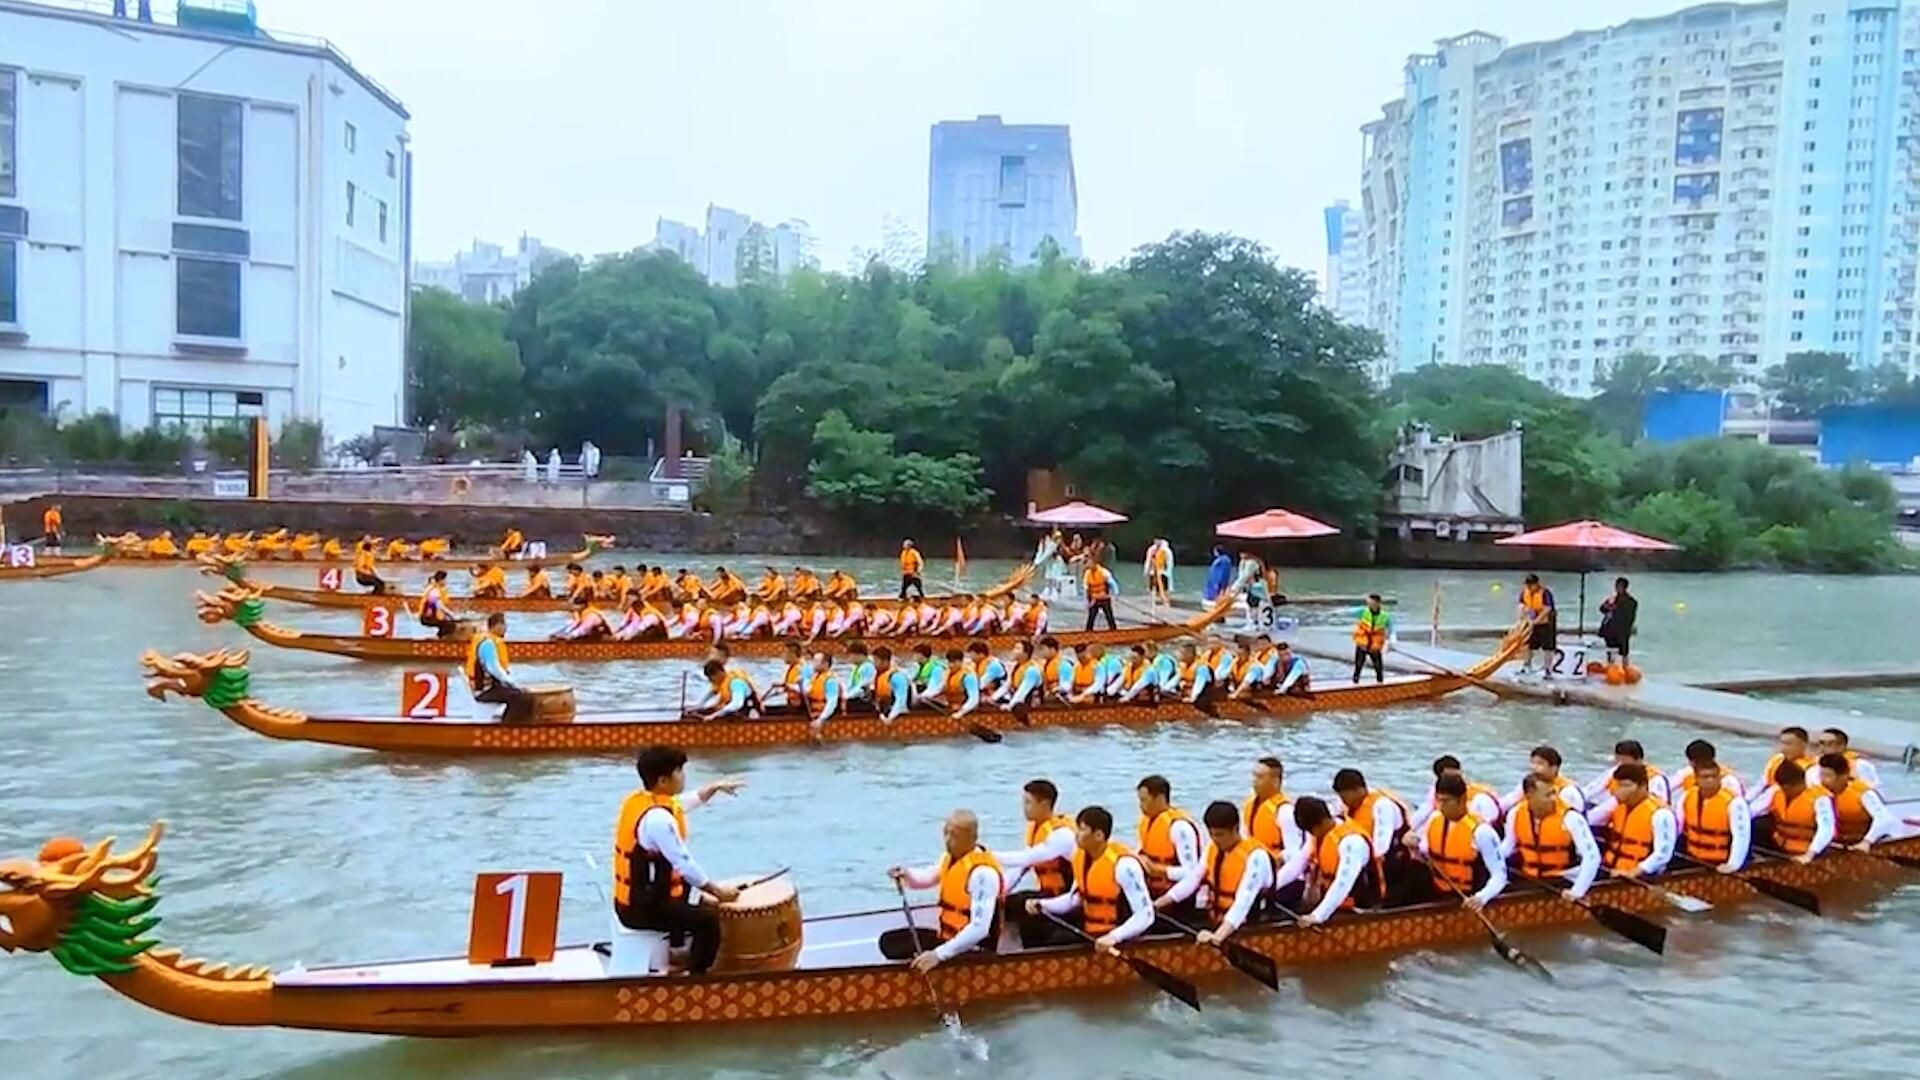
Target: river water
281	852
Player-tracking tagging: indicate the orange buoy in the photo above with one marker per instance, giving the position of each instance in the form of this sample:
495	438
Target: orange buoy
1596	667
1616	675
1633	674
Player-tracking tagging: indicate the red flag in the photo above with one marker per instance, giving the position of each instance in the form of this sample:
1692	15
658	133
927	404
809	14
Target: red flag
959	559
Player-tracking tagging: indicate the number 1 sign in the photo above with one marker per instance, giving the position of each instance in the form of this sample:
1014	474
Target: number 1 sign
516	918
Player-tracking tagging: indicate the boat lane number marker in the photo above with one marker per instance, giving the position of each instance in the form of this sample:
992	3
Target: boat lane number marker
330	579
377	622
516	918
423	694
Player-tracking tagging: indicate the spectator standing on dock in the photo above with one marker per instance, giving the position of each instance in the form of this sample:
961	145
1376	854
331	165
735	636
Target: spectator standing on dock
1617	616
1536	610
1220	574
1100	588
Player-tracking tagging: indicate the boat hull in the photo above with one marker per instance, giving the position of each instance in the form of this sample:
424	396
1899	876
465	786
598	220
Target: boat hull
557	1000
458	562
613	733
355	601
51	566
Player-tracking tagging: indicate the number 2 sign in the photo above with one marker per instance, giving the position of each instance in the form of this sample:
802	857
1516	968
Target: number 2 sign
423	695
516	918
330	579
377	622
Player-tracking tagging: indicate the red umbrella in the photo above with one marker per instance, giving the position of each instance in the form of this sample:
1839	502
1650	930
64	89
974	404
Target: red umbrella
1274	525
1076	515
1587	536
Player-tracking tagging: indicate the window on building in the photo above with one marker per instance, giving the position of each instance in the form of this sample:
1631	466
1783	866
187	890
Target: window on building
209	144
9	94
351	192
353	138
196	410
383	219
9	283
1013	180
207	298
393	164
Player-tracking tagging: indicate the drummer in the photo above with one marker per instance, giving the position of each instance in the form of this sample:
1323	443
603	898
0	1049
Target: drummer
971	887
487	667
657	885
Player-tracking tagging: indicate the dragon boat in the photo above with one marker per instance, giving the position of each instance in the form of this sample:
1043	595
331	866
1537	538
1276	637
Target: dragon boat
127	556
92	909
222	681
51	566
245	607
235	570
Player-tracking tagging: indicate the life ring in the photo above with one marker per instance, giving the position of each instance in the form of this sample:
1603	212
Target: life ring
462	485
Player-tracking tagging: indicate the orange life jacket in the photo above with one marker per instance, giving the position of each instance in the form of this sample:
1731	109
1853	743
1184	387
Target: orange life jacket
1450	849
910	561
1156	843
1705	827
1050	876
1102	905
1263	822
817	691
630	859
1099	583
472	664
1326	863
1850	818
1766	774
1362	815
1794	822
1545	846
1225	870
1631	835
956	903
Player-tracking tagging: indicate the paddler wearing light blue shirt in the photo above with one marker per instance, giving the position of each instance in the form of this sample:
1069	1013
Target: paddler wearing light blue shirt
1159	674
893	687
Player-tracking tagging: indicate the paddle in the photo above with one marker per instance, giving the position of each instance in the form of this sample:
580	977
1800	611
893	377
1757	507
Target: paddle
1645	933
1692	905
949	1017
1508	951
981	731
1173	985
1786	894
1295	916
1255	965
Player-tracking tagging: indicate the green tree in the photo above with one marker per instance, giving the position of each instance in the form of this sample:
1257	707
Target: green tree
461	368
1808	382
1708	529
859	471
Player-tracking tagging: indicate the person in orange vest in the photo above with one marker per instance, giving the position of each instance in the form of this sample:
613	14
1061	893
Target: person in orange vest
363	567
1700	753
538	586
1109	886
1543	627
51	524
1236	870
489	581
433	610
587	622
1553	841
911	564
971	885
1048	856
657	885
487	670
1543	764
1641	830
732	692
1482	801
1834	741
1169	839
1461	849
1101	588
1337	867
1603	791
1861	818
1716	825
1801	814
1793	748
1383	817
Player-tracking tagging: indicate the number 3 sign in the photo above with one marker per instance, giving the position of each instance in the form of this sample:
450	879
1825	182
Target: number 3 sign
516	918
377	622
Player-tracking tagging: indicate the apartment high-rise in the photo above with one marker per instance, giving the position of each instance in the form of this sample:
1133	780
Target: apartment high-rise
1732	181
1344	290
1000	187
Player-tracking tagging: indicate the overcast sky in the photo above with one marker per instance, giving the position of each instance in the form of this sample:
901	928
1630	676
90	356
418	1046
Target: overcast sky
581	121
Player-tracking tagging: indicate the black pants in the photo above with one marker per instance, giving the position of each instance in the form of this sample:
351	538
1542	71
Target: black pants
371	581
1102	606
1036	931
53	540
699	922
896	945
912	582
1362	654
519	703
443	625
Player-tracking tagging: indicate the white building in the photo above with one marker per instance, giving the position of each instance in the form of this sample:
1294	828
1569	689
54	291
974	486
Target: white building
1344	281
198	221
735	243
1733	181
486	273
995	187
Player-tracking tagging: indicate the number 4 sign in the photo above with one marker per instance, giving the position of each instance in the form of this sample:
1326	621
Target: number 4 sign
330	579
516	918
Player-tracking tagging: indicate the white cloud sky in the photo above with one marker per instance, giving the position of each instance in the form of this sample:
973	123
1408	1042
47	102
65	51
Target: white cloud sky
581	121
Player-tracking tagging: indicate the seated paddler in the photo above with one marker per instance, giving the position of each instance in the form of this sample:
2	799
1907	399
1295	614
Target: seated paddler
971	888
487	670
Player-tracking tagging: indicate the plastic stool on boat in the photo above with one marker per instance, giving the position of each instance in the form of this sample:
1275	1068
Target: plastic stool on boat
638	952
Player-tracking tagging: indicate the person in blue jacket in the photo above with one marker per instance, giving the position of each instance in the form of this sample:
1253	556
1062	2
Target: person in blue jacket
1220	574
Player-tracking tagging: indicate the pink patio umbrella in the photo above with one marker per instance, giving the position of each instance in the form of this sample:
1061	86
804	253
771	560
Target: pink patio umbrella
1587	536
1274	525
1075	515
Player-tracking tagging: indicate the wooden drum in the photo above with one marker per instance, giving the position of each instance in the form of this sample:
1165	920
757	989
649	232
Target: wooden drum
761	930
552	704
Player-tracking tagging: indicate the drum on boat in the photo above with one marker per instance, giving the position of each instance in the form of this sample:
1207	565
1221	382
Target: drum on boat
552	703
760	931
